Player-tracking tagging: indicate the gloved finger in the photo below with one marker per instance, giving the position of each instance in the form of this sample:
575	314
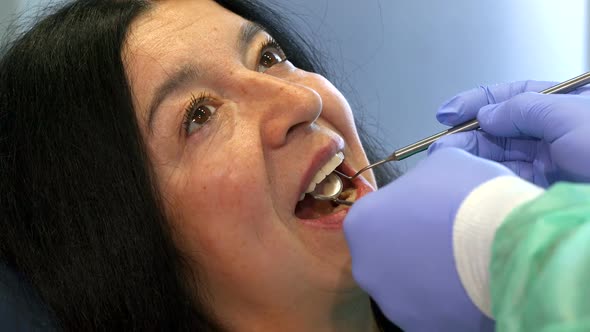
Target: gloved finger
530	114
519	157
465	105
523	169
585	90
490	147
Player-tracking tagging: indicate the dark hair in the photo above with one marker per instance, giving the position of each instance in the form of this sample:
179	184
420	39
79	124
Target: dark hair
82	220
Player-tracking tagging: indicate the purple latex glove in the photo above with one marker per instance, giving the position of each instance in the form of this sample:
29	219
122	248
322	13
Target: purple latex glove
542	138
401	242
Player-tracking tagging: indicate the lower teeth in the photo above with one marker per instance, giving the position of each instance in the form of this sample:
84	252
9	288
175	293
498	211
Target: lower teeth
348	195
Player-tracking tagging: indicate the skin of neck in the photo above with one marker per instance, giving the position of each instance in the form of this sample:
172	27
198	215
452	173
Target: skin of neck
320	312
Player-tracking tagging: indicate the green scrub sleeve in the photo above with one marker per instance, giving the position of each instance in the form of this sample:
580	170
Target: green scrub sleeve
540	267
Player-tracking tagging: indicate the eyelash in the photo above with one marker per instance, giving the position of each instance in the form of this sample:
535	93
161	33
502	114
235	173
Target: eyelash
193	106
270	42
203	98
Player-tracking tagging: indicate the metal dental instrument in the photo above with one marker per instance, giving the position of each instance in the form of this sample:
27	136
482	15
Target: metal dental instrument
333	191
330	189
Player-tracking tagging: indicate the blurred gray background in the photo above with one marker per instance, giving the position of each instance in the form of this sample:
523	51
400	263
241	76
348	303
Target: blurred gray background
404	58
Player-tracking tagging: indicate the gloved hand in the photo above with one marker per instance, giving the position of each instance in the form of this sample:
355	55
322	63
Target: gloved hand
401	242
542	138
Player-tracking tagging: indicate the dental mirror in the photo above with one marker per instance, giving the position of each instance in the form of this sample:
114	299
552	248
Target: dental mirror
329	190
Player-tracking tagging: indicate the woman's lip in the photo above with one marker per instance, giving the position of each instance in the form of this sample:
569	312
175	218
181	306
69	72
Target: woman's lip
335	220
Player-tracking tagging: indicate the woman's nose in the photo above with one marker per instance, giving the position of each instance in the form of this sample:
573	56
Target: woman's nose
285	106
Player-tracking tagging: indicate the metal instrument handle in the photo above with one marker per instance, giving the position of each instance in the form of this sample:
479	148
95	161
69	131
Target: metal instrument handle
412	149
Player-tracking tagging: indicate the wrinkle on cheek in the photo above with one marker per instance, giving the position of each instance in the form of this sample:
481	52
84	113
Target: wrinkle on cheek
219	185
216	218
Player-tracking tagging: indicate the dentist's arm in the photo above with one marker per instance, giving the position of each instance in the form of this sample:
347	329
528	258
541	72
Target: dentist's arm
409	240
422	246
540	263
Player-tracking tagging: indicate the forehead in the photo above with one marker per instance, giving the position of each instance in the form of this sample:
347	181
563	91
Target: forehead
172	34
172	25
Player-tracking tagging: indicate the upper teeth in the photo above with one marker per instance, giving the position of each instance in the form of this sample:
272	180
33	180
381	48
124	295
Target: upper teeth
328	168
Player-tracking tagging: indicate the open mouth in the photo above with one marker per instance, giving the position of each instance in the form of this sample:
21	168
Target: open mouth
310	208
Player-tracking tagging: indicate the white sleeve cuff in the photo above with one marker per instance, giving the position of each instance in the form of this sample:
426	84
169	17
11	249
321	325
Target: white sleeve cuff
478	217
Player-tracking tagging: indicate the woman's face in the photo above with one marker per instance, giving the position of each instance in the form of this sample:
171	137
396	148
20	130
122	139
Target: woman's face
236	135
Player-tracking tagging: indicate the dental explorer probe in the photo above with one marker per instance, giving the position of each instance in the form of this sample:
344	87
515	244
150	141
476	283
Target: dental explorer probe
412	149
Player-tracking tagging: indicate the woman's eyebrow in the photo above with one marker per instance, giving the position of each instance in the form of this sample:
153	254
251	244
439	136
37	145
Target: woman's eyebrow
190	72
248	31
185	74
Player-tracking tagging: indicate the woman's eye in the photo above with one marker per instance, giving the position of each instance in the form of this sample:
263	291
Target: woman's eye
271	55
197	115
